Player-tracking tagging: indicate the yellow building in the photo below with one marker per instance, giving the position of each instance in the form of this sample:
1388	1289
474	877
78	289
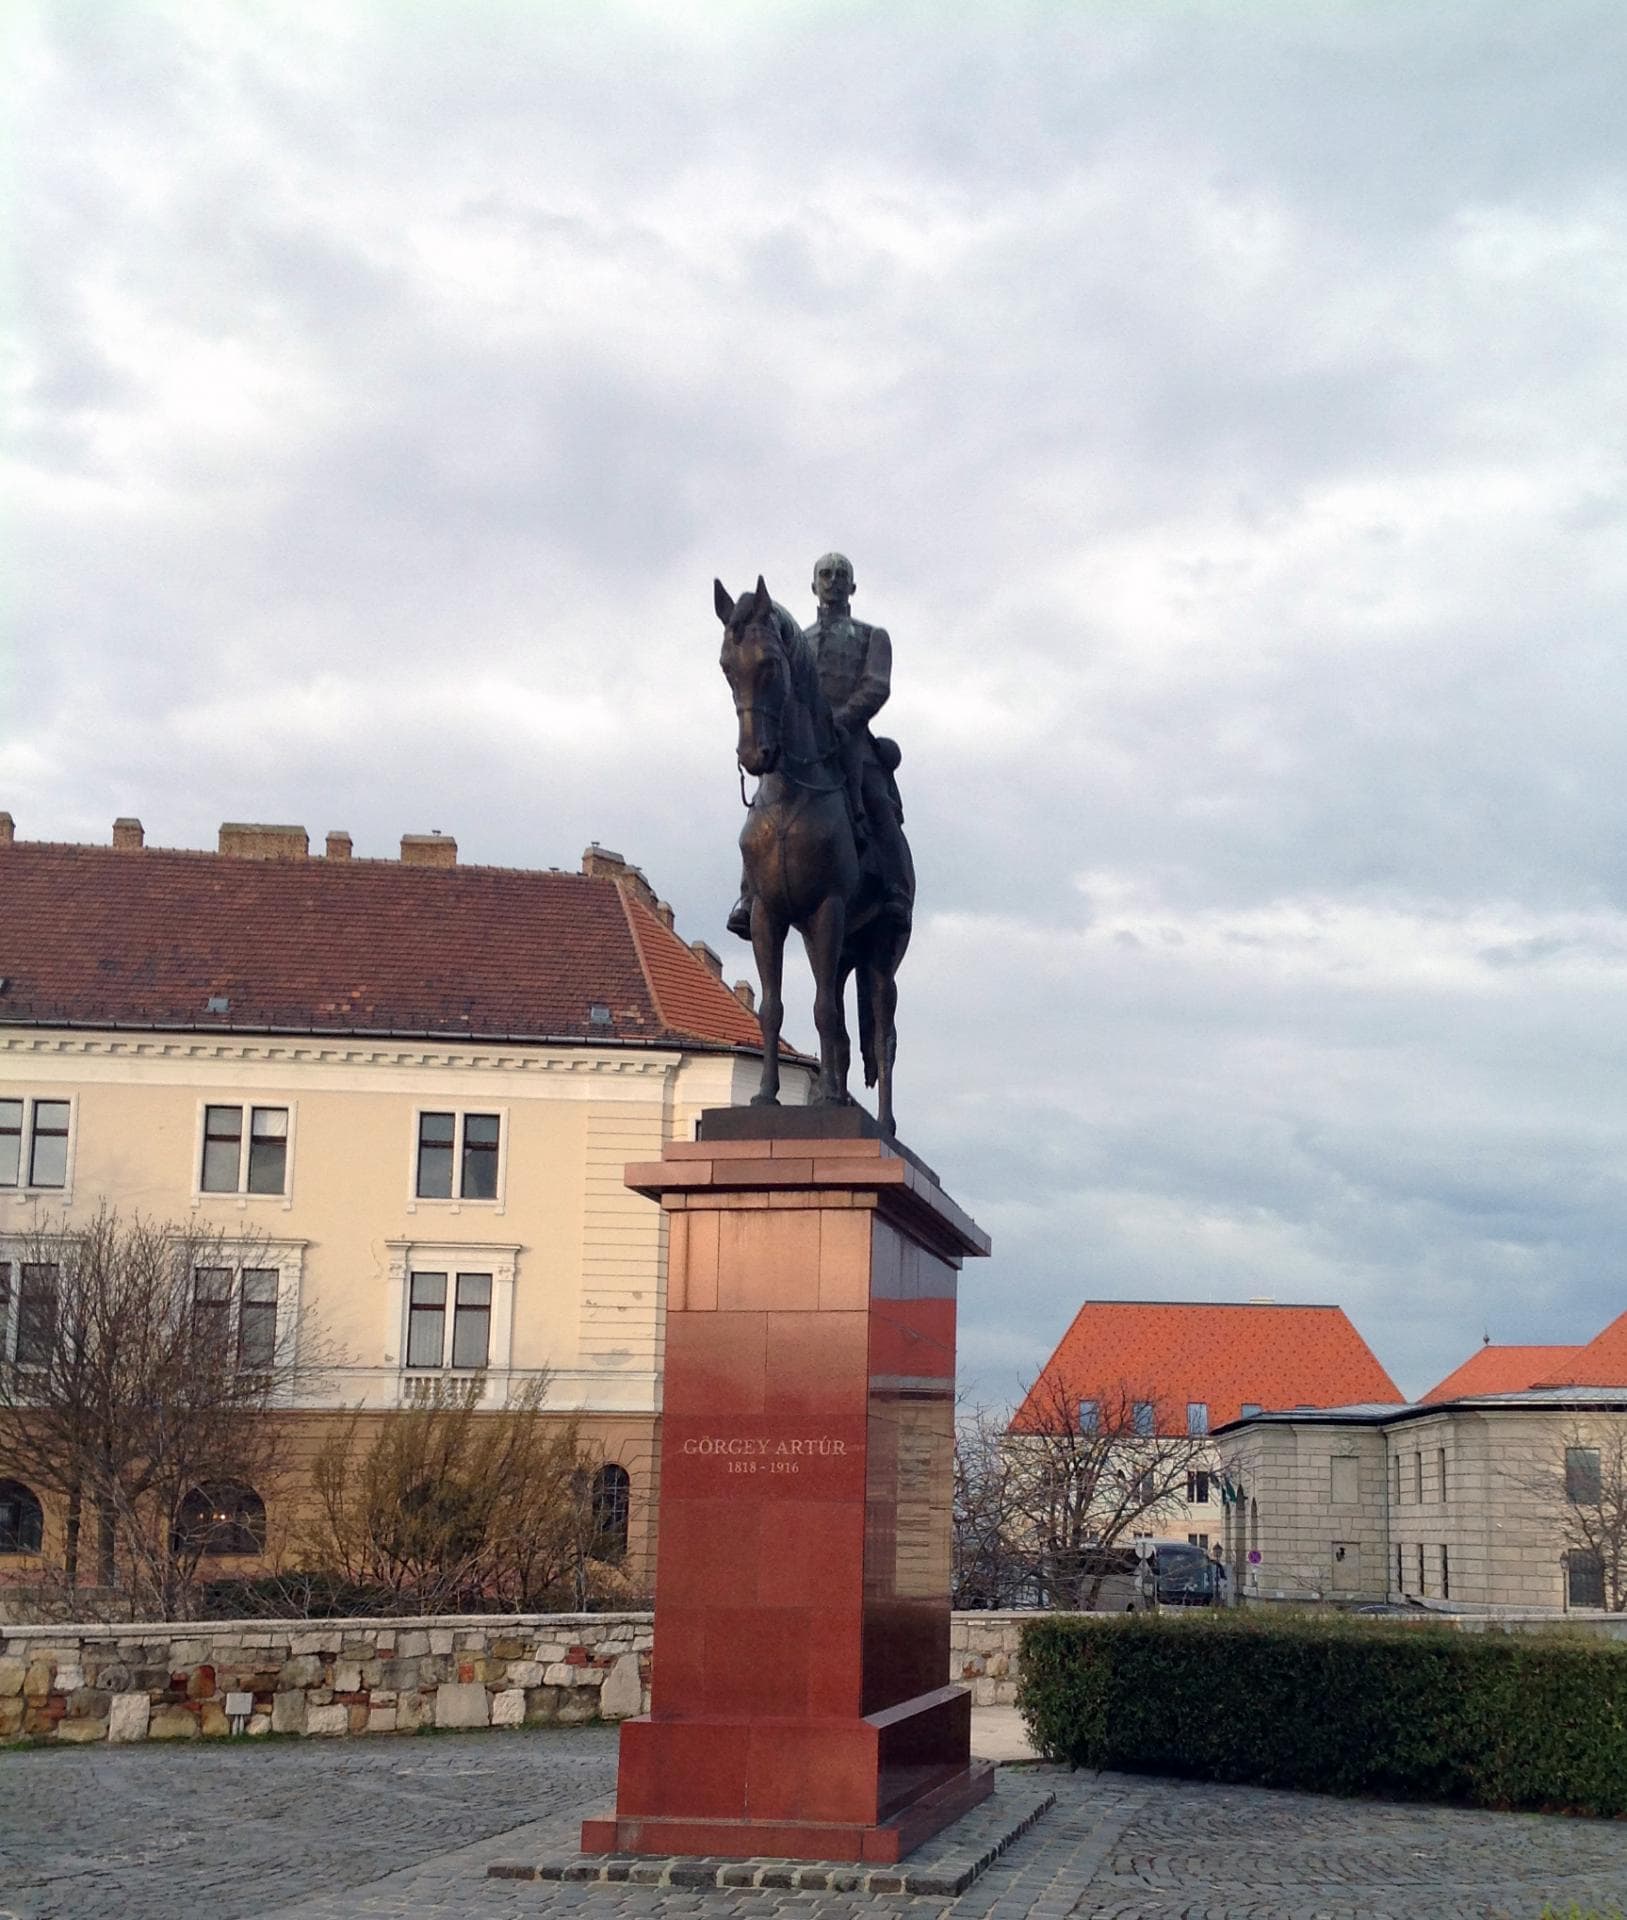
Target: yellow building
410	1085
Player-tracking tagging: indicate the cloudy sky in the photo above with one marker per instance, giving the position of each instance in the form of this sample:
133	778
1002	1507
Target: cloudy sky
1223	406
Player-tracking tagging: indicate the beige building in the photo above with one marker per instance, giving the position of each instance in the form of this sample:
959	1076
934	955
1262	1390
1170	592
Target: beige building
1176	1371
409	1085
1467	1503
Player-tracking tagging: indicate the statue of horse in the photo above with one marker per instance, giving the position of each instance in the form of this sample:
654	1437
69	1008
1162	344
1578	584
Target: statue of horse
802	861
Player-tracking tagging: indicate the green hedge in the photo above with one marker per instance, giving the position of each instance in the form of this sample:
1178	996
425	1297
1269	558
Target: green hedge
1334	1706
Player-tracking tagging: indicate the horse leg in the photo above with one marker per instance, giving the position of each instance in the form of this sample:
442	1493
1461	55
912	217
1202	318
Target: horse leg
822	935
883	992
768	945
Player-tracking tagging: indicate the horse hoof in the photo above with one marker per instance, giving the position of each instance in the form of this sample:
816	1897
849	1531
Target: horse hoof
765	1099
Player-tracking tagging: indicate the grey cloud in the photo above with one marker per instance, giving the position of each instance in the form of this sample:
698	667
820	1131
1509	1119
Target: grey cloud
1220	407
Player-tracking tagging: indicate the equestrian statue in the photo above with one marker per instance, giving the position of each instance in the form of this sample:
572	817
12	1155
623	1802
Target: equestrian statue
823	847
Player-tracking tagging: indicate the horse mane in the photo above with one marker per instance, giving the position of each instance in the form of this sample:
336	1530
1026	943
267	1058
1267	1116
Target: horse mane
803	663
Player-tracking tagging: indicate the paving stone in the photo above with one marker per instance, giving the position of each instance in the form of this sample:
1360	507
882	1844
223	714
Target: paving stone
393	1829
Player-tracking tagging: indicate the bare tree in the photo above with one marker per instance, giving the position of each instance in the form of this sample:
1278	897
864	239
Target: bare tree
1090	1473
991	1568
135	1383
446	1506
1586	1484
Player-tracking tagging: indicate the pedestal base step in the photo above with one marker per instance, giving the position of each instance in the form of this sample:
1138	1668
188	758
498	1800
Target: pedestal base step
947	1863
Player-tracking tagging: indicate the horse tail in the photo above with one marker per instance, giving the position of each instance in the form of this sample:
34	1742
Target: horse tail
867	1027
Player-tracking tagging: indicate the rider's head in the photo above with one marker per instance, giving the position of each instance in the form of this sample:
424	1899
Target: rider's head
833	581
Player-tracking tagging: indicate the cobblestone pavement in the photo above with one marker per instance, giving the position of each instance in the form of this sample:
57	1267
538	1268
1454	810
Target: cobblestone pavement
387	1829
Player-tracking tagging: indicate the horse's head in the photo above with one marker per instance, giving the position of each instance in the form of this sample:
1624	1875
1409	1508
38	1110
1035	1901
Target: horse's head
758	673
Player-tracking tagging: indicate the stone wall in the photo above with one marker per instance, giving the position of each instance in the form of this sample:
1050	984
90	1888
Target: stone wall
329	1678
186	1682
983	1651
177	1682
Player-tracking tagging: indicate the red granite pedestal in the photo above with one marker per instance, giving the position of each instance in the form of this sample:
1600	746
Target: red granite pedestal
799	1704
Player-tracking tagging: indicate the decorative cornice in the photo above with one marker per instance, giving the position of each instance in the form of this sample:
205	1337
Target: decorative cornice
459	1056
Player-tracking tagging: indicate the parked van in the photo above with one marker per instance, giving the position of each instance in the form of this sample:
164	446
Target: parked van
1174	1573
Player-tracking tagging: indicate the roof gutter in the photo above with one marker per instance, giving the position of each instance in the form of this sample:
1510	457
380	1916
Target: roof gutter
674	1043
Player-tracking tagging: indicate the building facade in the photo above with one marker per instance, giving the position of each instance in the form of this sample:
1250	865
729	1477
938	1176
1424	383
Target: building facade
405	1088
1468	1504
1180	1370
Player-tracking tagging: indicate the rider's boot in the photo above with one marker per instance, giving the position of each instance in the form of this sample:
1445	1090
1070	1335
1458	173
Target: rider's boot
739	920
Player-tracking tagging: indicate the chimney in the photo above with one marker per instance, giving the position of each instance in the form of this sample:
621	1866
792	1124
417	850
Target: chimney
600	863
746	994
712	962
338	846
128	834
664	913
255	840
8	830
428	850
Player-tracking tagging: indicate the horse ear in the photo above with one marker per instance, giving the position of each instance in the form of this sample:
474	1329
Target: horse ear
723	600
764	603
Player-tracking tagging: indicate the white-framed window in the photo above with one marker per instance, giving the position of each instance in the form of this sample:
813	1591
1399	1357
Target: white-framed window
451	1308
239	1308
449	1320
28	1296
36	1143
1197	1417
1198	1488
245	1150
247	1298
459	1157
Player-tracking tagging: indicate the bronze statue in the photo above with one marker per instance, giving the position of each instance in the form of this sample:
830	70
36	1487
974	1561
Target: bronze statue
823	847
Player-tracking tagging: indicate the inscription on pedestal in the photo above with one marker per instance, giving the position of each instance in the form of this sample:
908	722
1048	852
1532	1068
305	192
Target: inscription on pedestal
774	1455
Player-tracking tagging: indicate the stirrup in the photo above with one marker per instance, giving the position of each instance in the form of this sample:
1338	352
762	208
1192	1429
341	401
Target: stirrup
739	920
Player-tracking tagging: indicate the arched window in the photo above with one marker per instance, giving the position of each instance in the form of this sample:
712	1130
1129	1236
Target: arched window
22	1520
221	1519
612	1502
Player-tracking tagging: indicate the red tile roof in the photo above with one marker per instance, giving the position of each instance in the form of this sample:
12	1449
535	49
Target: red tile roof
683	987
1499	1370
1601	1363
1174	1353
96	937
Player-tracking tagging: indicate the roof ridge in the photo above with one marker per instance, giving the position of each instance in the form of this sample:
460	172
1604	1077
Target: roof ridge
311	862
639	954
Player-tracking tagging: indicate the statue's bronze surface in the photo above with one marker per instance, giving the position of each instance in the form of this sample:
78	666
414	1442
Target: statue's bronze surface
823	846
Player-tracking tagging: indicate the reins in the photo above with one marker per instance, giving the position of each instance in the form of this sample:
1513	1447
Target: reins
789	760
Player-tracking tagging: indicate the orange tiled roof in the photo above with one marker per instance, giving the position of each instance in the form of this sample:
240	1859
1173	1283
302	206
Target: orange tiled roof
1601	1363
1499	1370
685	990
100	937
1174	1353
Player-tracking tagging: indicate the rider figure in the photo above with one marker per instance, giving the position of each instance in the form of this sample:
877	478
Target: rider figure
855	675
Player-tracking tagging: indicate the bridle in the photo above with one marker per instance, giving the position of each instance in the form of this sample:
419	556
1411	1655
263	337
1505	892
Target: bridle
787	759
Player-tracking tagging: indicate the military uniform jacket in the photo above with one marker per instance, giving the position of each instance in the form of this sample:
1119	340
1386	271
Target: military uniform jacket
855	670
